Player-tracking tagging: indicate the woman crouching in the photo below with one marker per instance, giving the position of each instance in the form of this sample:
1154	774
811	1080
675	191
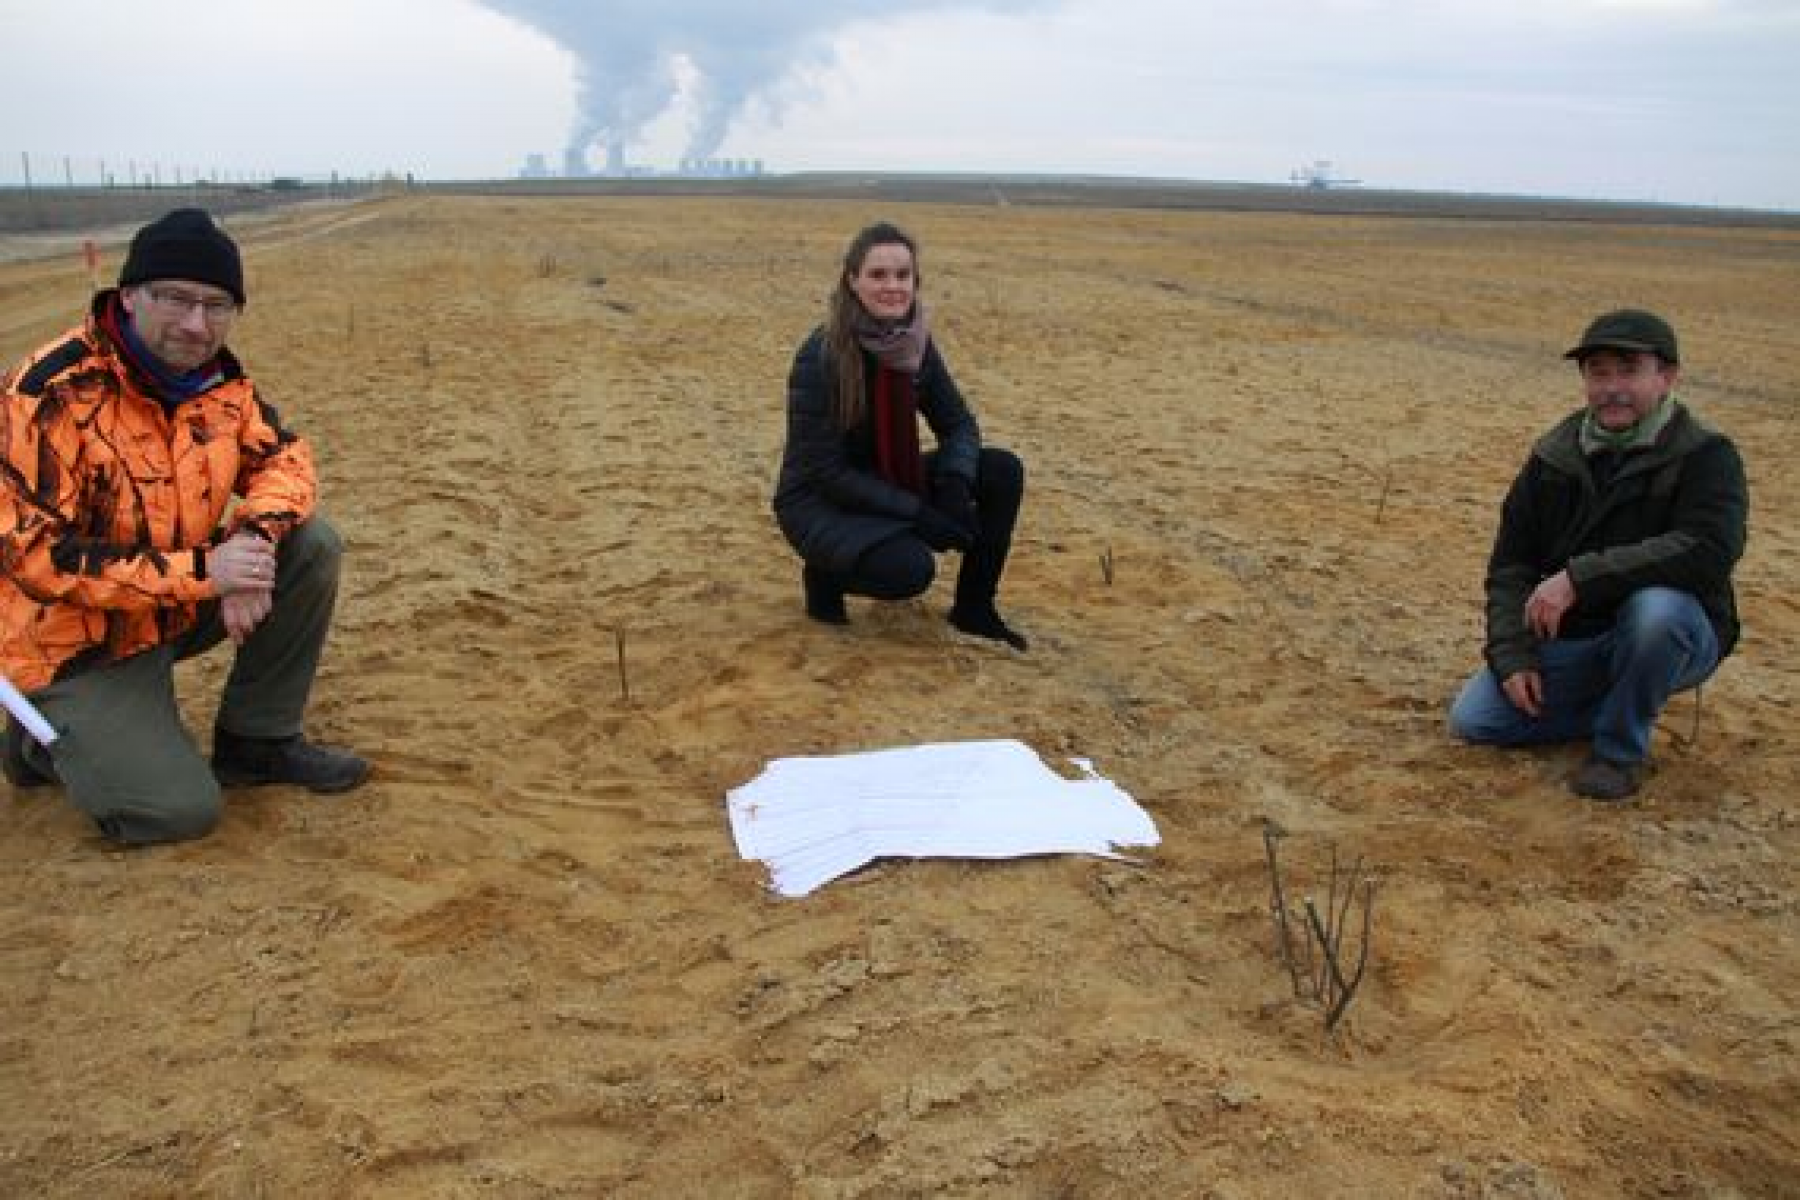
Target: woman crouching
859	502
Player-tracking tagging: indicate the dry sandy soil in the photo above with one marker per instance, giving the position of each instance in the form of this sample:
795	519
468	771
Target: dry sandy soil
526	960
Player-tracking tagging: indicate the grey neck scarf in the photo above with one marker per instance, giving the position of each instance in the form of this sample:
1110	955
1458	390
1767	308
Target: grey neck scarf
1596	438
899	345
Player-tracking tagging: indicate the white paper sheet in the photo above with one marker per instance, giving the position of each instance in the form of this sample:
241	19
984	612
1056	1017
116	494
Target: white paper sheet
811	820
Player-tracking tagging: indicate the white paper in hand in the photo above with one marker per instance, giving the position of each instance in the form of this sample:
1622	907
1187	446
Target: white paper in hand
25	713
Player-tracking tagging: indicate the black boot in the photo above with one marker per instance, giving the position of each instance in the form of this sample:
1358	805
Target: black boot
17	762
251	762
985	622
824	597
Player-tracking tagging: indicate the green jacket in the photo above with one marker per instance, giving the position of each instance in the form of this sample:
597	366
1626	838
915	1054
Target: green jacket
1671	515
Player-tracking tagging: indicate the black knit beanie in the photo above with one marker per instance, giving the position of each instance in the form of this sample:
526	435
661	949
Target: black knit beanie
184	244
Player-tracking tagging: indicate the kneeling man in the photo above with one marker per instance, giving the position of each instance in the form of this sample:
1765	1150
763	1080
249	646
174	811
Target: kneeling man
1609	587
123	445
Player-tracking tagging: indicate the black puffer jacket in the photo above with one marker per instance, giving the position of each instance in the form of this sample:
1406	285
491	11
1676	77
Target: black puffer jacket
1672	515
831	502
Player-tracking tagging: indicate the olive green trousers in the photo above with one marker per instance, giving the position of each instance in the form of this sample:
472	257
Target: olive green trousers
122	752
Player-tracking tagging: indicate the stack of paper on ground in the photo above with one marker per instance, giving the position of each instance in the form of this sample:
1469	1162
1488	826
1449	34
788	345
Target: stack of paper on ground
813	819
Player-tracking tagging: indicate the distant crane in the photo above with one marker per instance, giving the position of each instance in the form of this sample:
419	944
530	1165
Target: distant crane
1317	175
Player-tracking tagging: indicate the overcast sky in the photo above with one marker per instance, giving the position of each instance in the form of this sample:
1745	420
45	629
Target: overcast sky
1691	101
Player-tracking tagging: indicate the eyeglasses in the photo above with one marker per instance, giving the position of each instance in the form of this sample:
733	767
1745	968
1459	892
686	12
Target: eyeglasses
179	304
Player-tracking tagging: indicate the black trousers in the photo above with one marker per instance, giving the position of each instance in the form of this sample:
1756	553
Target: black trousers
904	565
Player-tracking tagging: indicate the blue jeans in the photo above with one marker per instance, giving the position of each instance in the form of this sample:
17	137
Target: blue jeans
1609	688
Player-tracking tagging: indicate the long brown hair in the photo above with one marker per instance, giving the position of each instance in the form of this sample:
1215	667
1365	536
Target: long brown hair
850	395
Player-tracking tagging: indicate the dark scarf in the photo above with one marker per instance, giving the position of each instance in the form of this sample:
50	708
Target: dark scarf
169	387
897	430
899	349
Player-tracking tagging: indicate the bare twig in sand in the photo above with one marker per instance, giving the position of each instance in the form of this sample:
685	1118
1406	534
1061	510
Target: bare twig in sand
1333	974
1106	565
624	679
1386	476
1278	905
129	1152
215	1136
1684	744
1310	954
1328	943
1348	992
1316	971
1342	918
1387	485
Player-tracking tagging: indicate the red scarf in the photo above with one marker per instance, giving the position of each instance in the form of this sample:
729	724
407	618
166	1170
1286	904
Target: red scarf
897	431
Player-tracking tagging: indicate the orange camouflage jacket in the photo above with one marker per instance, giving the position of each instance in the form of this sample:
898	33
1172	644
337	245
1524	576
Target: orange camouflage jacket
109	501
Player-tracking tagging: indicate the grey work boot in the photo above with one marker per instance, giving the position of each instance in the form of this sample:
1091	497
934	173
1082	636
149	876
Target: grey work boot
239	761
1603	779
16	761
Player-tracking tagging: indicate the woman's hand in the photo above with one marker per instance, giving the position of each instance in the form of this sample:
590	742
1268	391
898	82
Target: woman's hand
940	532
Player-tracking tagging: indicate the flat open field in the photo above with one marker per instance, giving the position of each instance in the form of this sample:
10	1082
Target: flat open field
526	961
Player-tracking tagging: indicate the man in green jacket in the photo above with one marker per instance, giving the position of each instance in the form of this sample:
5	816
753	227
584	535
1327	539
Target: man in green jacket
1609	587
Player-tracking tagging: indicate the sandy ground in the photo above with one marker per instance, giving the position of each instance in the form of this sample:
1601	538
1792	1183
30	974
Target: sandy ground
526	960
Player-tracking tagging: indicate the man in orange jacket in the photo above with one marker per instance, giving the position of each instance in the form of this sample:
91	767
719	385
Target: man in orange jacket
122	446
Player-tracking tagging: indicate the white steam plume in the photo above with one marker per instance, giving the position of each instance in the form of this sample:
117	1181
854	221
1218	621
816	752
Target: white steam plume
740	49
